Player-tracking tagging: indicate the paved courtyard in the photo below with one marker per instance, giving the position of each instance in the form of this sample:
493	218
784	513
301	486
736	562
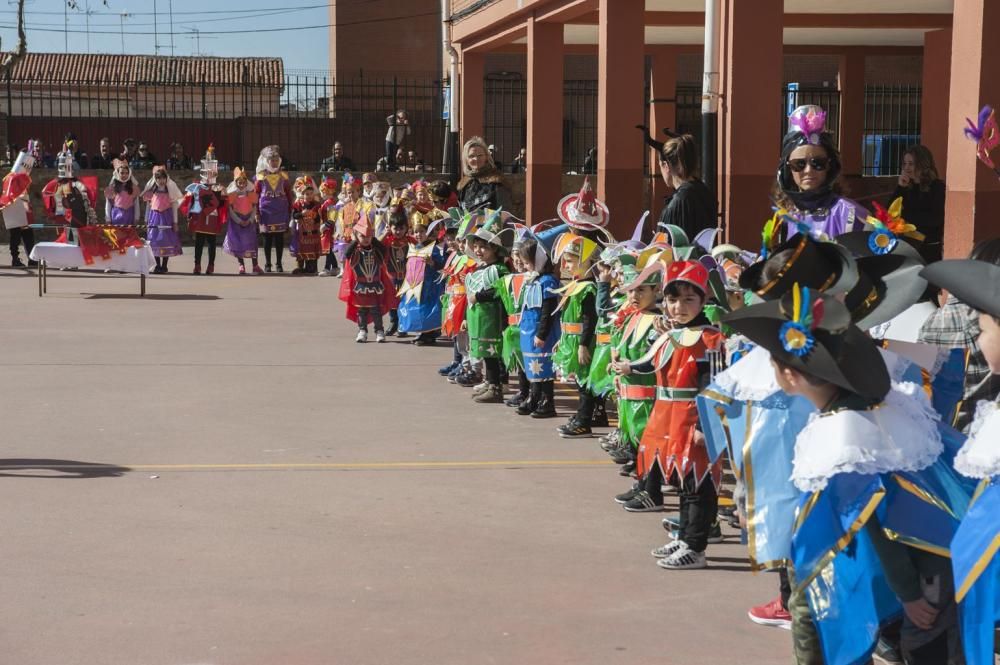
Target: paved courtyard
217	474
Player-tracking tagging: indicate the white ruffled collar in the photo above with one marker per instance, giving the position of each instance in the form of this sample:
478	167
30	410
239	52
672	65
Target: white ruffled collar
900	434
751	378
980	456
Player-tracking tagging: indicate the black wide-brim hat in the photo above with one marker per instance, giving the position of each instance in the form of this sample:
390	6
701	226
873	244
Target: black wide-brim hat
976	283
889	283
841	354
820	265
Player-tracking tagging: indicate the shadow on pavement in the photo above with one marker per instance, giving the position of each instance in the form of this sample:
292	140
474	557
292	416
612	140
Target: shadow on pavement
149	296
58	468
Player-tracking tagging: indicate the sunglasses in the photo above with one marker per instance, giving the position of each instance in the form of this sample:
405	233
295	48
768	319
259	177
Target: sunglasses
817	164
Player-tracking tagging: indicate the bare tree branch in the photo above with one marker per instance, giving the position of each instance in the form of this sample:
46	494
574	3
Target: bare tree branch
8	60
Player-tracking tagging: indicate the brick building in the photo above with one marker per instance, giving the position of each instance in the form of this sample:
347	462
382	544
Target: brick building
386	38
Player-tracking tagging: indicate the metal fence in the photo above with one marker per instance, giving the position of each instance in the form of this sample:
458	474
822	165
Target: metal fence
304	116
892	124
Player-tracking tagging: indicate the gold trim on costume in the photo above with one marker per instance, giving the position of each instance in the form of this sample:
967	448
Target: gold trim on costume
916	543
981	563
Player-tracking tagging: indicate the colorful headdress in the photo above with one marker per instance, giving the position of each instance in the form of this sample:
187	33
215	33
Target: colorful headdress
368	177
575	245
688	272
364	227
817	264
209	166
808	120
419	219
266	154
492	230
65	163
812	333
328	186
238	173
348	181
302	183
985	133
418	185
647	268
888	225
583	210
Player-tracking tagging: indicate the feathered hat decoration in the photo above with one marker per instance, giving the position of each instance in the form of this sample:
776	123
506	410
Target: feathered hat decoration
808	120
796	335
302	183
772	235
348	180
888	226
986	134
328	186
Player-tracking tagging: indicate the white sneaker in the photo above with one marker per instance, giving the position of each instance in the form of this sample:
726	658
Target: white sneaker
481	388
683	559
379	336
324	273
664	551
362	337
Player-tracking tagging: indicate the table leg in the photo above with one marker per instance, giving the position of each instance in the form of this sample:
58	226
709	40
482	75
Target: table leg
41	268
142	285
45	277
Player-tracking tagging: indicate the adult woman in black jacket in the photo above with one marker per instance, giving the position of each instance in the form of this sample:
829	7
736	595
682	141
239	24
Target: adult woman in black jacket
692	206
482	185
923	199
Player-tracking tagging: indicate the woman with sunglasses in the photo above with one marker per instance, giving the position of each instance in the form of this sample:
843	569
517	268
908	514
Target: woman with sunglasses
807	184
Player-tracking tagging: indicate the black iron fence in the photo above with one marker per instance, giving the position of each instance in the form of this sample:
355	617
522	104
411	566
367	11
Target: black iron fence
892	124
307	114
304	116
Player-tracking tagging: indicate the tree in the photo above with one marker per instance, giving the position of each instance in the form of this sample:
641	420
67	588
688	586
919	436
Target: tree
8	60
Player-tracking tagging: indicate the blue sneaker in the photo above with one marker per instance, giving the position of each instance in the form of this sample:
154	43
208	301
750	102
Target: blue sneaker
448	369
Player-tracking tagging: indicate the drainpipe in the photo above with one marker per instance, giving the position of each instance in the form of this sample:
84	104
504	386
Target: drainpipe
710	95
449	159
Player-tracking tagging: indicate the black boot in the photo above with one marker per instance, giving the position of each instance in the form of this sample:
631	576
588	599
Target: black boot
393	322
600	417
523	393
546	406
527	406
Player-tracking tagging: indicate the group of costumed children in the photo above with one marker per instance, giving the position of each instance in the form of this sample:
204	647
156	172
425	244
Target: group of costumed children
851	483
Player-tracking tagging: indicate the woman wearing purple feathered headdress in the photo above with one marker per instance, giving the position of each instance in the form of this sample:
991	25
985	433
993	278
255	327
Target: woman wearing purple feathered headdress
808	173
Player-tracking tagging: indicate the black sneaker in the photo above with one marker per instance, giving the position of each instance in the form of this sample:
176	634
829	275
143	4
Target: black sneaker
627	469
32	263
570	424
545	409
469	379
625	497
643	503
600	418
15	262
516	400
579	431
622	455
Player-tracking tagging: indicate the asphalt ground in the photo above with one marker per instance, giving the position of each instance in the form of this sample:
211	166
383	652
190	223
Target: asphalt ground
218	474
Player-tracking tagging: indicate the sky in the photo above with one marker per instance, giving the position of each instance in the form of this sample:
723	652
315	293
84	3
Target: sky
304	48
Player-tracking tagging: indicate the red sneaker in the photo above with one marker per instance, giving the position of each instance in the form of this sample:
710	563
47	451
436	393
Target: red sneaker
771	614
243	270
257	270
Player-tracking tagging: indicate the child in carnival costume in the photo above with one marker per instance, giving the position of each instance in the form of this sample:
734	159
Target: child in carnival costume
16	206
511	291
121	206
397	245
631	334
162	198
328	215
68	200
241	215
576	255
348	213
366	288
880	501
306	245
204	208
538	326
672	448
491	244
275	199
975	564
368	180
378	207
420	294
454	301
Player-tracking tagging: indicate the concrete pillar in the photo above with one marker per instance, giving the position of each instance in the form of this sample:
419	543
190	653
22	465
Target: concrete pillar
663	80
473	68
621	82
934	99
972	208
753	111
545	120
852	110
